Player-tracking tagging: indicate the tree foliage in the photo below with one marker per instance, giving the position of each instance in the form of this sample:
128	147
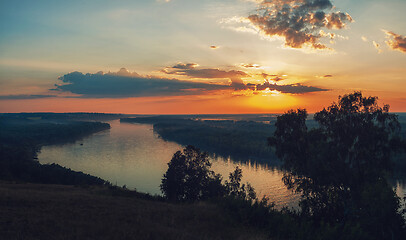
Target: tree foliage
235	189
189	178
340	166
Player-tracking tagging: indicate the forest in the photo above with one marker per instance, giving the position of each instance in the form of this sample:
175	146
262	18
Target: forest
23	135
240	139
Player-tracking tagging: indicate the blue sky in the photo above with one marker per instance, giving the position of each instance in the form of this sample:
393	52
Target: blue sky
43	40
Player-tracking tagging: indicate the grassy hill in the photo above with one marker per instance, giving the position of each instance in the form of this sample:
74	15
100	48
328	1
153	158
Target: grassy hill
35	211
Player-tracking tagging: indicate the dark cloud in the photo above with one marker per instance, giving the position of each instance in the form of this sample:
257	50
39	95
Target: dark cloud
328	76
298	21
289	88
123	84
114	85
24	96
396	41
185	65
214	47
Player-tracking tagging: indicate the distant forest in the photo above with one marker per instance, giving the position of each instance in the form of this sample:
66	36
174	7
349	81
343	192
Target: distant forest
241	140
23	135
50	116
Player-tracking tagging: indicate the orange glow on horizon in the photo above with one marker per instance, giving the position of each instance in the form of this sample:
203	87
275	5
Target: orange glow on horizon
266	101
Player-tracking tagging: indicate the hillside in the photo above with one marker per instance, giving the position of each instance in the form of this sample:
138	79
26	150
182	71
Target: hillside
35	211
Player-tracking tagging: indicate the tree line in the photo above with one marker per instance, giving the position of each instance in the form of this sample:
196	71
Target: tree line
21	139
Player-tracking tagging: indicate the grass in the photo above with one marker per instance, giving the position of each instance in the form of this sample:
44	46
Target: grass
35	211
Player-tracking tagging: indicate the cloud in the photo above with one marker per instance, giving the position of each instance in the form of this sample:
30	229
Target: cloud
328	76
396	41
185	65
210	73
214	47
24	96
250	65
238	84
377	46
289	88
266	75
272	77
207	73
125	84
299	22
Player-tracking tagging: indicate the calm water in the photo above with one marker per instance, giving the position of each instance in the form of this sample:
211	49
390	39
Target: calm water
133	155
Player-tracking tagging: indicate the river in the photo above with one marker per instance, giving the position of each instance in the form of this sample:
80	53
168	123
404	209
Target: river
133	155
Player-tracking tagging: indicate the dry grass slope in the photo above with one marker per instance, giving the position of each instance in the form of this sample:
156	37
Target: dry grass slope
34	211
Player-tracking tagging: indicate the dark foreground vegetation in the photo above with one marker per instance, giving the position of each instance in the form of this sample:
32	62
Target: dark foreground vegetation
21	138
340	167
34	211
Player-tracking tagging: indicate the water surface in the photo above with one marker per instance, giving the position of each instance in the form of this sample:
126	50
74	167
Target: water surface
133	155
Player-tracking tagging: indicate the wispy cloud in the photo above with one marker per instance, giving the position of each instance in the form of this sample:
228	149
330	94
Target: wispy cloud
205	73
272	77
396	41
250	65
25	96
377	46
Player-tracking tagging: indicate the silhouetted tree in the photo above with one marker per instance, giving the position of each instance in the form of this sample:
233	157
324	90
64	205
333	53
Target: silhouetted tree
189	177
235	189
340	166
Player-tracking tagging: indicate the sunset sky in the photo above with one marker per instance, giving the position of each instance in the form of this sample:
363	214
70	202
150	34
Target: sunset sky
199	56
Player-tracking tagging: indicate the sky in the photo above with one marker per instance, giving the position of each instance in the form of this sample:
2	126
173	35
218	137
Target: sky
199	56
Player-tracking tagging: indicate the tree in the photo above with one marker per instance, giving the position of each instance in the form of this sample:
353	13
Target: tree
235	189
189	177
340	166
